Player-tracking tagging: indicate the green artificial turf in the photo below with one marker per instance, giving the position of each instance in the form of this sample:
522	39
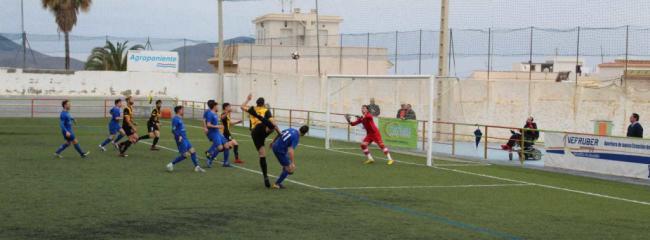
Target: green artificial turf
334	195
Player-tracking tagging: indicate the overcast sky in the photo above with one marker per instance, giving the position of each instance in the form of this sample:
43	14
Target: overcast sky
196	19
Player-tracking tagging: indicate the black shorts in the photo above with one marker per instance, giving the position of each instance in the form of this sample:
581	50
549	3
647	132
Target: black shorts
128	130
151	127
259	135
227	135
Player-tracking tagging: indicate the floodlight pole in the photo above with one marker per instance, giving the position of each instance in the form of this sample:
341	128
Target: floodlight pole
220	52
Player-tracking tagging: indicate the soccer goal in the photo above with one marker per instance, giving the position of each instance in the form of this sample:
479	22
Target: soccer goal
402	106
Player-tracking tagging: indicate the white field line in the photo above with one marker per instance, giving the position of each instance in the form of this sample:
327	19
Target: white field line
432	186
507	179
248	170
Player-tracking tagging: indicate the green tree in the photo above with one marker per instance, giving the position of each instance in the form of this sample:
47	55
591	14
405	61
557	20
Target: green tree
111	57
65	14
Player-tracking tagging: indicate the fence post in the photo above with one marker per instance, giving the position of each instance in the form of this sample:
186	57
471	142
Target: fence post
578	56
522	154
420	54
32	108
627	45
308	118
105	108
271	58
396	49
184	69
489	55
485	144
341	54
250	65
290	117
453	139
348	132
368	54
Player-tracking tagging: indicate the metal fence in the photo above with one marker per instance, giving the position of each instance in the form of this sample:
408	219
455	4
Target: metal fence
397	52
451	138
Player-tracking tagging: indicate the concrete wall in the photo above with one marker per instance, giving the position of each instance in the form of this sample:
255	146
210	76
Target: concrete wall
555	106
188	86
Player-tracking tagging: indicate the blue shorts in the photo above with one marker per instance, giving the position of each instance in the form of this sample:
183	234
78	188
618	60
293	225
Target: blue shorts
69	139
184	146
282	157
114	129
217	139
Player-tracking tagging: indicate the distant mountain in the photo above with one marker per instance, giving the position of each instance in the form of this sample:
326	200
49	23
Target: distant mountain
11	55
198	55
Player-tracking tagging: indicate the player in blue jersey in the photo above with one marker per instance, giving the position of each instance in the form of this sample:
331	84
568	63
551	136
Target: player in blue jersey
284	147
115	132
68	134
219	142
185	148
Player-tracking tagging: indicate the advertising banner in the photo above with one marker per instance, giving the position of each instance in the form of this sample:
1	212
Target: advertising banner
629	157
399	133
152	61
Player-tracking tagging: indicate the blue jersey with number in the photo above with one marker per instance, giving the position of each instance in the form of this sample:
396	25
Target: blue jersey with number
178	128
212	118
115	116
289	138
66	122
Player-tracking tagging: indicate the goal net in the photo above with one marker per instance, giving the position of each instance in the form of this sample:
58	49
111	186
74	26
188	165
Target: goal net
402	107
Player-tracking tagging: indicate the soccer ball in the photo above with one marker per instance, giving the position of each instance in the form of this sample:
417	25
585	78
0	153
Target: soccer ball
295	55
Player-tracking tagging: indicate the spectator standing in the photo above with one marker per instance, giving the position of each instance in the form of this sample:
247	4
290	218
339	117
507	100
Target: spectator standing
410	114
373	108
635	129
401	113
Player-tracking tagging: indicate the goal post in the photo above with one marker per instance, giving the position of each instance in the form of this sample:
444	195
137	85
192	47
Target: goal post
345	94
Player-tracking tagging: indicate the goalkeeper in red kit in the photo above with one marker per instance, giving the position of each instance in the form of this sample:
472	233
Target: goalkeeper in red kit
372	134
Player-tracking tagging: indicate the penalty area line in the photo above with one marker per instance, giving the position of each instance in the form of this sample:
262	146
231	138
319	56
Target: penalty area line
591	194
430	187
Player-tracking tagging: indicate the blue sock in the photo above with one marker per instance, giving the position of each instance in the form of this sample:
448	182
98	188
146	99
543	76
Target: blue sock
226	157
214	153
79	150
118	138
196	162
62	147
213	150
284	175
178	159
106	142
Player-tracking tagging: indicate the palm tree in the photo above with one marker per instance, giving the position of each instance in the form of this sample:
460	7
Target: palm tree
111	57
65	13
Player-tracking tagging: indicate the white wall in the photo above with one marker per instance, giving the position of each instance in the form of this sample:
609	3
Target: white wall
187	86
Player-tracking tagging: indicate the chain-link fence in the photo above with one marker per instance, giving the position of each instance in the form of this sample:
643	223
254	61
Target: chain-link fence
398	52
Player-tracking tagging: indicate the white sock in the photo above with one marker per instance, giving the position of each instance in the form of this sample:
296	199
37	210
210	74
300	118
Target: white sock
370	157
388	156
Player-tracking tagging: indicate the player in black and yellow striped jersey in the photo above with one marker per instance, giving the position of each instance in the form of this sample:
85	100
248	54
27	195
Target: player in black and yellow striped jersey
153	126
227	126
129	127
261	126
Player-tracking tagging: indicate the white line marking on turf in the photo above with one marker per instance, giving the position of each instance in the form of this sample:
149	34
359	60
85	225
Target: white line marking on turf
248	169
503	179
432	186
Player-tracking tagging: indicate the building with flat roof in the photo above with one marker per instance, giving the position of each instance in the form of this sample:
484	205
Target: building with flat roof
288	43
297	28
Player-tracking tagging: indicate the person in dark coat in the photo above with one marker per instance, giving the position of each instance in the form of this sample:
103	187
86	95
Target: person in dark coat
635	129
374	108
530	132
